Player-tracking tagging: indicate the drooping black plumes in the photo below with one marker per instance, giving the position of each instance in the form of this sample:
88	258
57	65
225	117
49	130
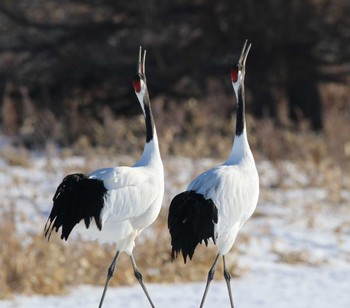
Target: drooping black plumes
191	221
76	198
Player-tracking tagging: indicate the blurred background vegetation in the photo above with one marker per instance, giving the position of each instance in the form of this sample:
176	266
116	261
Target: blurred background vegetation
65	82
66	66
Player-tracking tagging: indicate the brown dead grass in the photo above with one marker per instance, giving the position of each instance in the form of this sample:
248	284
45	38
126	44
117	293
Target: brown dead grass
32	265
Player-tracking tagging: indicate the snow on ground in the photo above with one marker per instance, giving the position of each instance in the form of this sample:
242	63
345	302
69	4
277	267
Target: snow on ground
270	286
296	248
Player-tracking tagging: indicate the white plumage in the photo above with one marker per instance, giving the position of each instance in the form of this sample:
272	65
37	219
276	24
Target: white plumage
115	204
218	202
132	203
234	191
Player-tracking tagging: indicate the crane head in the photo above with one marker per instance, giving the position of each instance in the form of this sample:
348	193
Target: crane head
139	80
238	71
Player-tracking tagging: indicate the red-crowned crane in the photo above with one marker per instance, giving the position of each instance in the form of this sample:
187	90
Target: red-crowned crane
115	204
218	202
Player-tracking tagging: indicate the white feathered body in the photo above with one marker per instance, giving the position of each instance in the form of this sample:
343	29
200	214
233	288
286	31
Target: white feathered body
132	202
234	189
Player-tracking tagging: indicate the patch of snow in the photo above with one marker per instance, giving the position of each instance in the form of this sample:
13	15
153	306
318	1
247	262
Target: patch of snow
293	219
278	286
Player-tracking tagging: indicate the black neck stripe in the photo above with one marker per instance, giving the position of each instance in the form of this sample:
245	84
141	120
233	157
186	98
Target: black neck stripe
148	119
240	112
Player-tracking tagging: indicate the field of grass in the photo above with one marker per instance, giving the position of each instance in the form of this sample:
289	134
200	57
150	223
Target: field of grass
305	192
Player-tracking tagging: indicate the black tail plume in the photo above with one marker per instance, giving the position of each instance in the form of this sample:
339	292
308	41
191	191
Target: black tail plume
76	198
191	221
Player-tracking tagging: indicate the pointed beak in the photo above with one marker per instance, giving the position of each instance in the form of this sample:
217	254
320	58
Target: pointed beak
244	54
141	71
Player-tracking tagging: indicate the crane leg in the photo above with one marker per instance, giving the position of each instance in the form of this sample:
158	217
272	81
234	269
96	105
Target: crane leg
210	278
139	279
109	276
228	279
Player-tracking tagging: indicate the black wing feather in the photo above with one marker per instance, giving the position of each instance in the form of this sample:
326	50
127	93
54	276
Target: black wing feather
191	220
76	198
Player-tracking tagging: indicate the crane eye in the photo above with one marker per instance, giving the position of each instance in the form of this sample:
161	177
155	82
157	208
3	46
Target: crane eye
234	74
137	85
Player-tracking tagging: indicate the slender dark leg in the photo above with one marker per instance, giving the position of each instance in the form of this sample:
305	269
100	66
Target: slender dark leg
210	278
228	279
139	278
109	276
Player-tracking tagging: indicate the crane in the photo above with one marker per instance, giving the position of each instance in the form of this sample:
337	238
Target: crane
115	204
218	202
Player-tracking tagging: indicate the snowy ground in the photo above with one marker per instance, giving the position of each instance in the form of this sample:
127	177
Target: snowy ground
296	248
269	286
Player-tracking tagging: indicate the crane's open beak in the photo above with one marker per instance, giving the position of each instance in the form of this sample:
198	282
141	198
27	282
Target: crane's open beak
141	71
244	55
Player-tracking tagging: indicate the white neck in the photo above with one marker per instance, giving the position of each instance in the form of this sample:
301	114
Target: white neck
240	149
151	153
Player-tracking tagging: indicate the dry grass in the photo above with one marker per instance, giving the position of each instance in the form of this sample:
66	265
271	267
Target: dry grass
15	156
31	265
298	257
